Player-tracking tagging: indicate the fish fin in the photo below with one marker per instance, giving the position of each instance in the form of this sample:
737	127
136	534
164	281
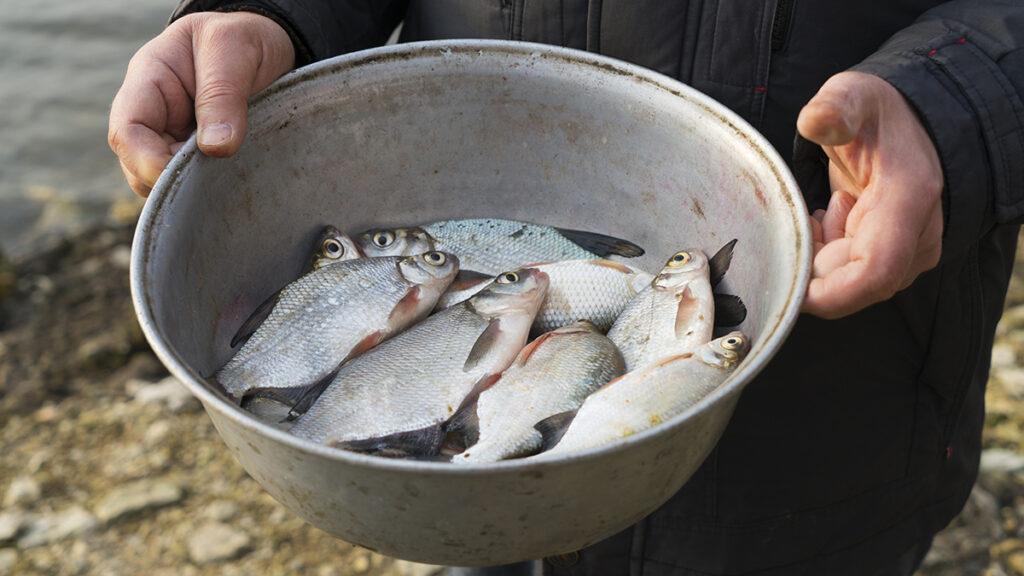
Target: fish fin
462	430
484	343
287	396
686	312
601	244
405	311
553	428
253	322
310	395
420	443
729	310
617	266
529	349
364	345
670	359
718	265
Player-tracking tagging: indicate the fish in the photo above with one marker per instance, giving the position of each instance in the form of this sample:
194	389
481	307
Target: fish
644	398
333	246
674	314
553	374
593	290
491	246
330	315
330	246
394	399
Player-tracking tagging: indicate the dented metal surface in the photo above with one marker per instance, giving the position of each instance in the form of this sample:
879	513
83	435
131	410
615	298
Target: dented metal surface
428	131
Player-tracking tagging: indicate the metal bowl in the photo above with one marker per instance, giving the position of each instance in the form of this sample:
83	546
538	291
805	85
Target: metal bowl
418	132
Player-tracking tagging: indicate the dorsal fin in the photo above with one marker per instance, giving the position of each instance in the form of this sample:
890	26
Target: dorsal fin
719	264
601	244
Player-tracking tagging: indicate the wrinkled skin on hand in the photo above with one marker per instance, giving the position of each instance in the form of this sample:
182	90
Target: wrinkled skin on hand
883	226
198	73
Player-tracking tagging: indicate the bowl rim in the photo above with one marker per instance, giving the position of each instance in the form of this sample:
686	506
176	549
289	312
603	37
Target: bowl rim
166	187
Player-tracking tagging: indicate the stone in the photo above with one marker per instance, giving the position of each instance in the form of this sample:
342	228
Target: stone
50	528
1015	562
156	433
1003	356
8	558
221	510
121	257
1012	379
136	498
167	392
104	351
217	542
999	460
361	563
22	491
11	523
406	568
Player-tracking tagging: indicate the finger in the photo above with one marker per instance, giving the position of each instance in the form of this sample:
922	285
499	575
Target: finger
832	256
834	115
834	222
880	260
137	118
226	67
134	183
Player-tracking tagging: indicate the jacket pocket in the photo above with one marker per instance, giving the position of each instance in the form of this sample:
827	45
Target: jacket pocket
955	347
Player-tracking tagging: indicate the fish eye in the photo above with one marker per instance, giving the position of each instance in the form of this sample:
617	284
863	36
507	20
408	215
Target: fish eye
435	258
384	238
679	259
508	278
332	248
732	343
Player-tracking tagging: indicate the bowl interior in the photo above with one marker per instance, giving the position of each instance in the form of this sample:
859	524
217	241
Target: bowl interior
436	132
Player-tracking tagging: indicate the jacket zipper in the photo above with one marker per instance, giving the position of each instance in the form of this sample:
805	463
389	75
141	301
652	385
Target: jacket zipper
780	23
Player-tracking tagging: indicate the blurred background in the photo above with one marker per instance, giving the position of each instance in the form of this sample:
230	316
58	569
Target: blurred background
109	467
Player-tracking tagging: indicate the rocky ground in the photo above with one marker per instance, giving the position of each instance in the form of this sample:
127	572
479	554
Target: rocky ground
109	467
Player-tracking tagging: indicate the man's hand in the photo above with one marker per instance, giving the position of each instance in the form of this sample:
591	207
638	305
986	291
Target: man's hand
883	226
200	71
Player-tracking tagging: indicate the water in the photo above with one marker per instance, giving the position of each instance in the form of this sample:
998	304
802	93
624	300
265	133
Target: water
61	61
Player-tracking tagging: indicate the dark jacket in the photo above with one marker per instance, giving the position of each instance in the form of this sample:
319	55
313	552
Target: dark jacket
862	437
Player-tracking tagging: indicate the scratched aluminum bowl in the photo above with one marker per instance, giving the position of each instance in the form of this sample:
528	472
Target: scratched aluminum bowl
418	132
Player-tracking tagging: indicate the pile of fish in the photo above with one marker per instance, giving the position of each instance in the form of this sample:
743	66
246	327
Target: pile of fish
482	340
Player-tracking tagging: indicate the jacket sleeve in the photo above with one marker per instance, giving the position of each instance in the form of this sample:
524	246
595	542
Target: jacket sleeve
961	65
319	29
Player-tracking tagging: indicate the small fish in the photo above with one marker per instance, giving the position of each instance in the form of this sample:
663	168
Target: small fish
492	246
333	246
394	399
330	315
330	247
553	374
644	398
674	314
593	290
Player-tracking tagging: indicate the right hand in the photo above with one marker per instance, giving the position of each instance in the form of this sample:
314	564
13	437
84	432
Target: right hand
198	73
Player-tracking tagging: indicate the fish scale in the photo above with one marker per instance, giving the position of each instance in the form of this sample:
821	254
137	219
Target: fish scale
647	397
490	246
567	366
419	378
317	321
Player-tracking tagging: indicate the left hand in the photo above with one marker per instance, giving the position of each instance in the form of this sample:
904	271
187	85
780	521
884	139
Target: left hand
883	226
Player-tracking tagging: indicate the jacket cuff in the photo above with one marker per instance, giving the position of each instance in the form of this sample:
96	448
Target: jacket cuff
969	109
304	53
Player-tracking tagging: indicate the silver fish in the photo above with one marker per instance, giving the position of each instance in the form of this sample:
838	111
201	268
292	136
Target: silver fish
334	246
394	399
593	290
553	374
492	246
330	315
645	398
676	313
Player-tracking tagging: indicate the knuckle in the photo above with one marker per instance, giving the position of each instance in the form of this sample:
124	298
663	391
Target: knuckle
216	90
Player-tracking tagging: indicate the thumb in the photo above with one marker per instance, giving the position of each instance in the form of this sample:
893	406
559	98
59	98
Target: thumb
836	113
225	71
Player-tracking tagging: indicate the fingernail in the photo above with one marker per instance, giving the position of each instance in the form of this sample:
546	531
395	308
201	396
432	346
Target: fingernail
214	134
